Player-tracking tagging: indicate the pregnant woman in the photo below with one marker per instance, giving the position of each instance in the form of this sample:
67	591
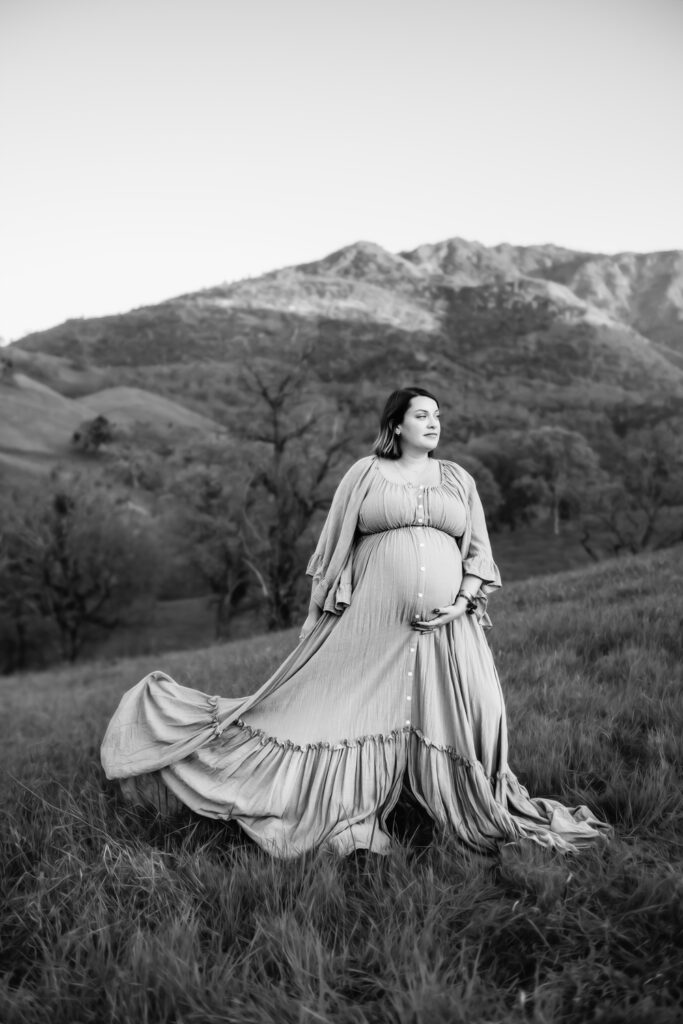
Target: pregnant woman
392	684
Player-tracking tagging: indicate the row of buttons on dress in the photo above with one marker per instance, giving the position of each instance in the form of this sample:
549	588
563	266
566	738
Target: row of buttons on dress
420	521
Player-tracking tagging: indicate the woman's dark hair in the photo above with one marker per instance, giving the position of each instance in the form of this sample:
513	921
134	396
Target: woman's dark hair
388	443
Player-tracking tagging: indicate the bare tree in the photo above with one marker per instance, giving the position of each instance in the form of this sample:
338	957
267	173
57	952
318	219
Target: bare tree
299	439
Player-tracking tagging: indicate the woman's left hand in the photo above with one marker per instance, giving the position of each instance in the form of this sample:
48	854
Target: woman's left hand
443	615
309	624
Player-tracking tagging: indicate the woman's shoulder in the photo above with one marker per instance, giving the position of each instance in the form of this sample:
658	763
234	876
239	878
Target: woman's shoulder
364	462
357	469
454	469
356	472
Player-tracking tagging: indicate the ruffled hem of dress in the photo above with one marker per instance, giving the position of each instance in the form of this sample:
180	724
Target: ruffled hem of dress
482	810
393	736
216	727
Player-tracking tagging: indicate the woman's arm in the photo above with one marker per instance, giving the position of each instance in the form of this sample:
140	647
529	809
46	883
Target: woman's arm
471	584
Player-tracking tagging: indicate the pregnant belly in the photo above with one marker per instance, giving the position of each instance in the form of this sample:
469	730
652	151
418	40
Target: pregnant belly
407	572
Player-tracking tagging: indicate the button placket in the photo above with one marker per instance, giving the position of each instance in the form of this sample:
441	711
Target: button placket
420	519
410	681
413	642
422	569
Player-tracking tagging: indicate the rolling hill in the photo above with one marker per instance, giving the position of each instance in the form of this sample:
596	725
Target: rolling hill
124	406
37	422
35	418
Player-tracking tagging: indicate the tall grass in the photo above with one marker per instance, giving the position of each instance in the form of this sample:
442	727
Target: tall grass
112	915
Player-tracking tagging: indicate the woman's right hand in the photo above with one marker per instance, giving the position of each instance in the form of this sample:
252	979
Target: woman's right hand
308	625
443	615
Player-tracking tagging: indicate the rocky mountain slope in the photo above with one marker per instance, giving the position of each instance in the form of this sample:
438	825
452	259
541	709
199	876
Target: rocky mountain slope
643	290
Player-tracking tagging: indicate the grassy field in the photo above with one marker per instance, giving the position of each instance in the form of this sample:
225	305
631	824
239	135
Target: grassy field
110	915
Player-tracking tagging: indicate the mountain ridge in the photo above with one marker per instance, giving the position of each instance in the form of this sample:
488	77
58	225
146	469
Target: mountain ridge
643	289
363	280
517	335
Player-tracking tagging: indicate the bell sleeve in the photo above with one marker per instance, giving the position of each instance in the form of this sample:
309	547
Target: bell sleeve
475	547
331	564
479	558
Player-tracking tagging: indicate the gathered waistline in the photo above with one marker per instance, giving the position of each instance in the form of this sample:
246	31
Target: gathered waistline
408	526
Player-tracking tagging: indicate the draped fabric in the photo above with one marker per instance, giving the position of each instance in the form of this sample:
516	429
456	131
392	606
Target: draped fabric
318	755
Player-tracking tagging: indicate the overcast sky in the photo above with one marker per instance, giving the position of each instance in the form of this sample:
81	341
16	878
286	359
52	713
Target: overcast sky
152	147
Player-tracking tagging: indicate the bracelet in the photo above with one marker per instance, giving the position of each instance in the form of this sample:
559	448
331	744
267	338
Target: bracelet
471	603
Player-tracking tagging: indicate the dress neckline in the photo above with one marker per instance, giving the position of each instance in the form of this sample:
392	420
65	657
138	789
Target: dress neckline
397	483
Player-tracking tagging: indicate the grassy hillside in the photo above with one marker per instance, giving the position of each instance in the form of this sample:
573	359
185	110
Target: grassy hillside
35	418
125	406
37	423
113	916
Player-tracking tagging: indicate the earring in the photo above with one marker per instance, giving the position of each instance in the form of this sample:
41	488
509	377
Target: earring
398	430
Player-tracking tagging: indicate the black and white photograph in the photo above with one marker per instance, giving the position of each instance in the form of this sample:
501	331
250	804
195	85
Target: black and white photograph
341	512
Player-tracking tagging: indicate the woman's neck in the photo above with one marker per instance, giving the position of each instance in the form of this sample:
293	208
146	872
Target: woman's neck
414	460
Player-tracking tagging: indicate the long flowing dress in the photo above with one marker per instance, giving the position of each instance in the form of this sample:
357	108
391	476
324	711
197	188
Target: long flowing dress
318	755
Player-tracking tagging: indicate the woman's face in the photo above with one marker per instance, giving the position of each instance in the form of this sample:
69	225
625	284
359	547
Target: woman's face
420	429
